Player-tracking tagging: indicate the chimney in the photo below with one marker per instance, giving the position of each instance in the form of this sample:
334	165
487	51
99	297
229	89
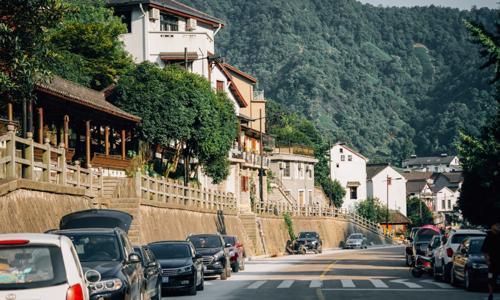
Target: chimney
444	154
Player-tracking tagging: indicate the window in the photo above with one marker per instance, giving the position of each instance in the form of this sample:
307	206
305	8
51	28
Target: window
286	170
342	157
301	198
354	192
310	171
220	86
244	183
126	17
300	170
449	203
349	157
341	150
443	204
310	196
168	23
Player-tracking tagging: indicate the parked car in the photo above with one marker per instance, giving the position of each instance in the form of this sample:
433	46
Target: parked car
444	255
433	245
469	264
151	273
181	267
215	254
311	241
409	246
420	242
32	265
236	253
356	240
101	242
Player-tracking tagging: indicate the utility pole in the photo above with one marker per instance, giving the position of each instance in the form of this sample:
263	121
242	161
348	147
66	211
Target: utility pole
186	58
387	208
261	170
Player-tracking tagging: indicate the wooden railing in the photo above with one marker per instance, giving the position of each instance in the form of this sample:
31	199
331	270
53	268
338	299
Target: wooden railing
20	161
278	209
166	191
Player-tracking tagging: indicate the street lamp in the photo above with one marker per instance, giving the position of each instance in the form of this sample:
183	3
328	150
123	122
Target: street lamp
388	182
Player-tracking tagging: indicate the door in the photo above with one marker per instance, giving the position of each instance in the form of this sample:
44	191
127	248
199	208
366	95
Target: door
152	271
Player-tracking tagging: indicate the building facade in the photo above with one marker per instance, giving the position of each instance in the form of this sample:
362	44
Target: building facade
349	168
387	185
436	164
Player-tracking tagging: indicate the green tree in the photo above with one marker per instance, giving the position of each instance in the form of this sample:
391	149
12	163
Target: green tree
334	191
479	200
24	51
87	46
180	108
413	207
372	209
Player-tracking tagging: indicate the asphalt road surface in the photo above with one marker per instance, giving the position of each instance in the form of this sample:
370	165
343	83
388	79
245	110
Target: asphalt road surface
374	273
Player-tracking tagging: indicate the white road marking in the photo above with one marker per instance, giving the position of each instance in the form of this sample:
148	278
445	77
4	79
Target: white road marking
410	285
207	283
439	284
286	284
316	284
390	290
256	285
378	283
347	283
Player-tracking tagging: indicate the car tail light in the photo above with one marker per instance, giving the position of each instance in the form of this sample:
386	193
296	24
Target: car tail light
75	292
14	242
449	252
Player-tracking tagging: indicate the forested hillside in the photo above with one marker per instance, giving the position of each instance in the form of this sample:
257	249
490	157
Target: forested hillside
389	81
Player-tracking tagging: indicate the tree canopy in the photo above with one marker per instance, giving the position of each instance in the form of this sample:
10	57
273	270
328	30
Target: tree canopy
180	108
413	206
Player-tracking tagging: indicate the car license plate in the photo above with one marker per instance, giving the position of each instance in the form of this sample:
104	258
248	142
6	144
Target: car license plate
164	279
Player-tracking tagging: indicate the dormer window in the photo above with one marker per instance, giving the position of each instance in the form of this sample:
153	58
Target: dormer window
168	23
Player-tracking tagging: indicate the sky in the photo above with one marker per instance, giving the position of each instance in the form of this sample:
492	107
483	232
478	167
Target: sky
462	4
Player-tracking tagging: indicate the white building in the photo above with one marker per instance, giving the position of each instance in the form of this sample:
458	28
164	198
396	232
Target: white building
445	200
349	168
168	32
387	185
436	164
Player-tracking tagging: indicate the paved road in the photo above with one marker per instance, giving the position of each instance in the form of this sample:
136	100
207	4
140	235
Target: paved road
376	273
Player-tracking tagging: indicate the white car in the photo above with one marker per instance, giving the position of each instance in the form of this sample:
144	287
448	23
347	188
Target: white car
356	240
443	256
40	266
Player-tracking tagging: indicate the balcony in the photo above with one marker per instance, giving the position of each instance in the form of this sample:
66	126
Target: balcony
298	150
174	41
250	159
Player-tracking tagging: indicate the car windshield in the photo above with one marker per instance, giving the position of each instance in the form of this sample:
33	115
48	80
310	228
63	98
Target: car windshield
32	266
424	235
205	241
436	241
459	238
230	240
475	246
307	235
96	247
355	236
170	251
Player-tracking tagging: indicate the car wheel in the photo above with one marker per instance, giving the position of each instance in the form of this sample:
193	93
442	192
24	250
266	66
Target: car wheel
320	249
453	279
435	274
193	290
469	285
242	265
408	260
446	273
158	293
223	276
201	286
236	266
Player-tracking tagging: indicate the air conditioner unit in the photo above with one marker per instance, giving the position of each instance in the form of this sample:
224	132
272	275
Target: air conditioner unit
191	24
154	14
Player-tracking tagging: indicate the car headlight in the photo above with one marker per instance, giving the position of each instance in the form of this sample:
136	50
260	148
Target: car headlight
479	266
187	269
105	286
218	255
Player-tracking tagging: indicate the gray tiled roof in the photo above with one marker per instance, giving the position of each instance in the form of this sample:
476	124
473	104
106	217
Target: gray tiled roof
417	176
431	160
372	170
170	4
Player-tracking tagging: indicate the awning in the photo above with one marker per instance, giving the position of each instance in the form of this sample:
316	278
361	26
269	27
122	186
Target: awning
178	56
353	184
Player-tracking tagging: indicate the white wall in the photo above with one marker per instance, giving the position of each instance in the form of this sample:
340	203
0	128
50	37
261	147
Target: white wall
344	171
217	75
448	196
377	188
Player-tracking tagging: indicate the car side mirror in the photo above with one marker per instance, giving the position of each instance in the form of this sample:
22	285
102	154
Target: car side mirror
134	258
228	245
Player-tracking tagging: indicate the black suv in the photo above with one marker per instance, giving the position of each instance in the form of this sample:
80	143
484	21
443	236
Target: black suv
311	241
215	254
181	267
101	241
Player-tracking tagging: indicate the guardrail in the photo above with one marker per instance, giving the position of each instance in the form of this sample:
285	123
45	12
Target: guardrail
166	191
278	209
19	161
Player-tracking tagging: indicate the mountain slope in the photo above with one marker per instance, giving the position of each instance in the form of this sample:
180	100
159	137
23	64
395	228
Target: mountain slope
389	81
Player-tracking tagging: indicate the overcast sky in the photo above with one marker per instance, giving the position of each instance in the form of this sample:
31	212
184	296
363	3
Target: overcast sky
462	4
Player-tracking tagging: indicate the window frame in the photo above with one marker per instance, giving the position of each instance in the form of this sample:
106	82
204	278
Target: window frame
166	23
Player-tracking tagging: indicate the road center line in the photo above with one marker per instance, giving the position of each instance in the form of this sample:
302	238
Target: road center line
328	269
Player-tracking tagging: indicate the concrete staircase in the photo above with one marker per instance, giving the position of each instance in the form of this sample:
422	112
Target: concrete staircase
249	221
131	206
110	186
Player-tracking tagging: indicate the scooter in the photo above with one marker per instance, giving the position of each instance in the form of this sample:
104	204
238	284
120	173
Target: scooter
423	264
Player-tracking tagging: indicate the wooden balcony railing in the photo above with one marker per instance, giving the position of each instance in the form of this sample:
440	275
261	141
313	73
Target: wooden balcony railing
20	160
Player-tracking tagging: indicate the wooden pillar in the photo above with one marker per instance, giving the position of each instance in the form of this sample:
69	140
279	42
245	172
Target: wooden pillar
87	143
124	141
66	131
106	140
10	112
40	125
